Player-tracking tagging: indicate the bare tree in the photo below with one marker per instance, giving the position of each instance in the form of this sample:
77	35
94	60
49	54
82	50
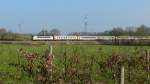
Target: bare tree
3	31
116	31
143	30
129	31
43	33
55	32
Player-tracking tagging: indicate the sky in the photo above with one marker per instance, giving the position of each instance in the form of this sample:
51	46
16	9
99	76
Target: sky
68	15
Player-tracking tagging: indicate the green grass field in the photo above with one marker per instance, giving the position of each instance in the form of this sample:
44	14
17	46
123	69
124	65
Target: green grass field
83	59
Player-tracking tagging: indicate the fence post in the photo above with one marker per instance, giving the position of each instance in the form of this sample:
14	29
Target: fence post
49	63
19	62
51	49
122	75
148	65
51	52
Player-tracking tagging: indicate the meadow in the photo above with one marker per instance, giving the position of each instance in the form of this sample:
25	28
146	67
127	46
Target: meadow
73	64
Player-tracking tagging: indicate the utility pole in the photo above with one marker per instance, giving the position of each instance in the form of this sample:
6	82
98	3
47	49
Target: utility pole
19	26
44	29
85	23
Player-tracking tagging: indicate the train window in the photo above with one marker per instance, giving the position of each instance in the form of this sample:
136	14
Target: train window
43	37
88	37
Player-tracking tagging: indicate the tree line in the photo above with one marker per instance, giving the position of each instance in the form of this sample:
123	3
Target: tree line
49	33
9	35
142	30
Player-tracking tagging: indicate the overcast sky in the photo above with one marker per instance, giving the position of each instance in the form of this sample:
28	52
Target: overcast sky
68	15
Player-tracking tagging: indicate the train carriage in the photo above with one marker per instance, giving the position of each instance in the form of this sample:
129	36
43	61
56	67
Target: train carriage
106	37
88	37
65	37
43	38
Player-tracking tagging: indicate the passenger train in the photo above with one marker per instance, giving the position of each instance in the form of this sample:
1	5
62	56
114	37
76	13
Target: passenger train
88	38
